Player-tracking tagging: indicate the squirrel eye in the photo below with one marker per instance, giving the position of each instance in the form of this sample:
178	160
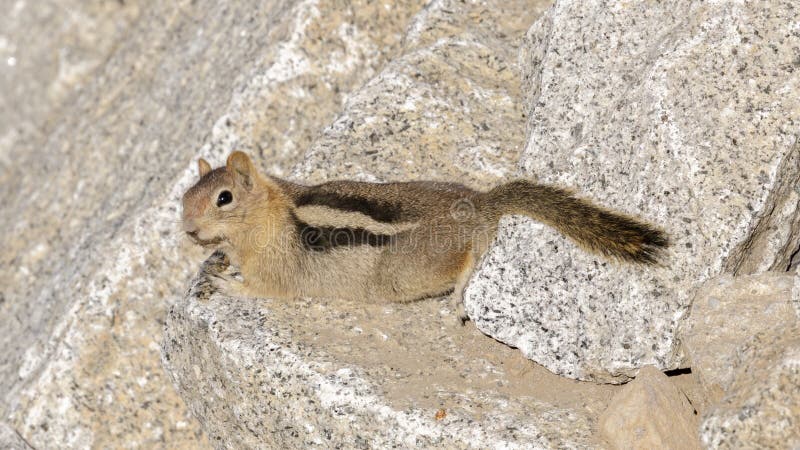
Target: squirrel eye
224	198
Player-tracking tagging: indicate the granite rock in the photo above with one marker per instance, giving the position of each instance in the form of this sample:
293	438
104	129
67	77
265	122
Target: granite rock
761	407
262	373
726	313
447	109
795	299
11	440
330	50
92	172
49	49
101	121
678	112
650	412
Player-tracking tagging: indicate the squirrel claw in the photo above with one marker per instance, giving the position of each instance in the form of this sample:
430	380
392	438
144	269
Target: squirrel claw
226	284
460	313
224	278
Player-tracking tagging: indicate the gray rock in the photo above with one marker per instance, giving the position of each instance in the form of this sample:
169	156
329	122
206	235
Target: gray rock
761	408
11	440
92	253
48	50
726	313
447	109
331	374
679	112
650	412
796	292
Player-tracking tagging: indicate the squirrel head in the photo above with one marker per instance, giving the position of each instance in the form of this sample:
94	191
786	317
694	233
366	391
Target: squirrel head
219	204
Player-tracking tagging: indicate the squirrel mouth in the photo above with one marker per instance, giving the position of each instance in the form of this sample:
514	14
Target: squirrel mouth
203	242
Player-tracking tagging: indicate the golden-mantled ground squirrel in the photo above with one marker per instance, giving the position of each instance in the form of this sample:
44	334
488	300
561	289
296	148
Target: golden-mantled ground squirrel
381	241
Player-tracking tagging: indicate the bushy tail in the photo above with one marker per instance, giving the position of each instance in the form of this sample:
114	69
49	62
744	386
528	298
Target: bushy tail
592	227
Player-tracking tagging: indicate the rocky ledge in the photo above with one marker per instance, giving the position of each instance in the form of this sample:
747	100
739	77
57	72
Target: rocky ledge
263	373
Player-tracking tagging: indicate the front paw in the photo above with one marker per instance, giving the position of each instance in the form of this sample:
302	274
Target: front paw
228	282
221	276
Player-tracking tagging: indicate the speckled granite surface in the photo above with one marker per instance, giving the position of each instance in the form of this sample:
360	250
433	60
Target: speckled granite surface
49	49
10	439
447	109
743	339
680	112
104	107
91	180
330	374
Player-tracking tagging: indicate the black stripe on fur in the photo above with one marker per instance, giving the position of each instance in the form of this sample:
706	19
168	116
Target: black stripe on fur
381	211
322	239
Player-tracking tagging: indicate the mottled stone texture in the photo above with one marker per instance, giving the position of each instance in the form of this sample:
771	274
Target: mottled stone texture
725	314
682	113
48	50
447	109
330	374
10	439
743	338
102	116
650	413
761	408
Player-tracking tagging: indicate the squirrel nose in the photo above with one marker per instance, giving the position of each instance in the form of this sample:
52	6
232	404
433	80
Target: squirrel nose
189	226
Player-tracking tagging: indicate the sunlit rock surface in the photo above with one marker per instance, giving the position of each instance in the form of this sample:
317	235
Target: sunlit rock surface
682	113
104	112
726	313
650	412
263	373
762	405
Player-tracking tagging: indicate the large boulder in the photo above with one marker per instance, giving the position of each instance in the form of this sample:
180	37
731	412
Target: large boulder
11	440
92	253
447	109
650	412
679	112
726	313
743	338
262	373
761	408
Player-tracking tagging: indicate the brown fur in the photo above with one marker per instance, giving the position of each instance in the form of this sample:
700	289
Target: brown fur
382	241
592	227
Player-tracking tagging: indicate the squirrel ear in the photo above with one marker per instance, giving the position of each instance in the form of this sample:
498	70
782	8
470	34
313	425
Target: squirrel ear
241	167
203	167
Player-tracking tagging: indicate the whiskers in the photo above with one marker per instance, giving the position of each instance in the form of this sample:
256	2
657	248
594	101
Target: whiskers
174	232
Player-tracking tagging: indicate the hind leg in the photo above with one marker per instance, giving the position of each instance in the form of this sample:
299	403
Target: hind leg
457	298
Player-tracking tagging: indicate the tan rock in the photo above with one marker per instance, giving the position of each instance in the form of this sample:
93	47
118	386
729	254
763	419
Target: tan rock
761	408
650	413
447	109
315	373
726	313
